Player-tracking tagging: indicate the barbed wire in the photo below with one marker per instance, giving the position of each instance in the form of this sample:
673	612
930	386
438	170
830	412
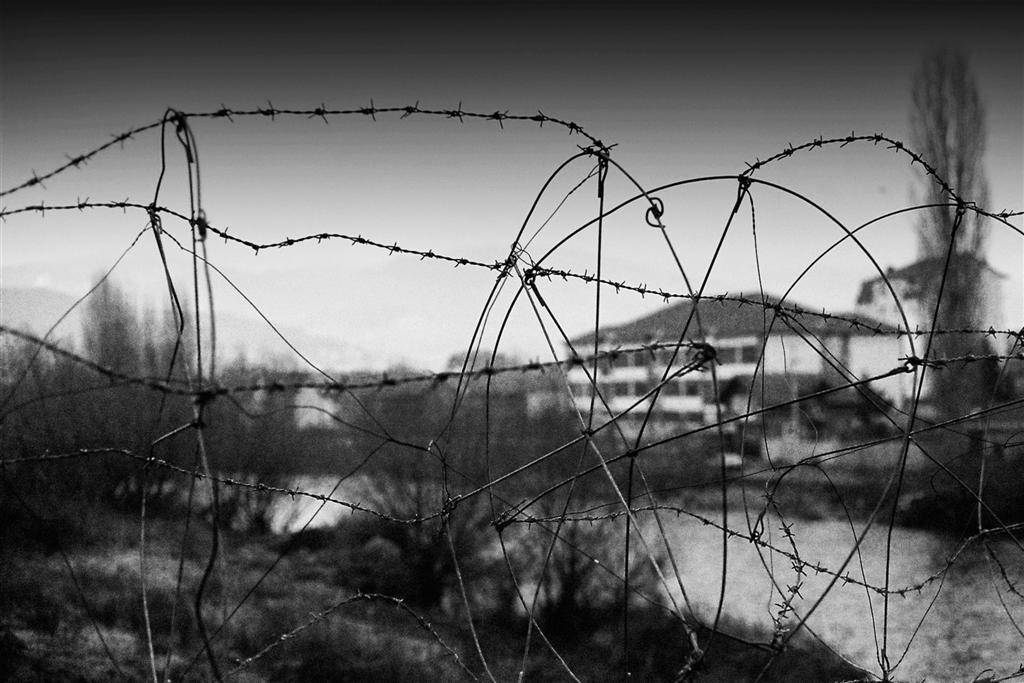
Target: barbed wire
755	537
508	517
800	566
532	272
875	139
435	379
321	112
320	616
183	388
79	160
124	205
147	461
702	356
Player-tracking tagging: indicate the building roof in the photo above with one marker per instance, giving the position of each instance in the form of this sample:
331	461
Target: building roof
728	316
922	273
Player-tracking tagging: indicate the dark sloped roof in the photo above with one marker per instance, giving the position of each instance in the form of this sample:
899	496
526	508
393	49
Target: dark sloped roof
922	274
725	316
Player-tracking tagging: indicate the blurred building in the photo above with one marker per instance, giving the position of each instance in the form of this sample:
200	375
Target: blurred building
764	355
905	299
915	286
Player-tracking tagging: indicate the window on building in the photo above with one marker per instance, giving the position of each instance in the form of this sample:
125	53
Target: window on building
683	355
693	416
579	388
750	353
666	357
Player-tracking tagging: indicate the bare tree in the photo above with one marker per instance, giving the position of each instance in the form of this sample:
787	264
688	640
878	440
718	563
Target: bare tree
947	128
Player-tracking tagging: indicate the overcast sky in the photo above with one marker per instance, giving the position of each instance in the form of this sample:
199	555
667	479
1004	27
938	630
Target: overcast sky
682	93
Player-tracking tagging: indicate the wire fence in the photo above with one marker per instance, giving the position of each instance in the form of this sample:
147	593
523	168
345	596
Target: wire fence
734	485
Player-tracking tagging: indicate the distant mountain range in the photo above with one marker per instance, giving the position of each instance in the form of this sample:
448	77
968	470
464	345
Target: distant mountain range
36	309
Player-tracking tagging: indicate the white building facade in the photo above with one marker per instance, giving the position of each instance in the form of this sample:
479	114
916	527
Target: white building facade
761	359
